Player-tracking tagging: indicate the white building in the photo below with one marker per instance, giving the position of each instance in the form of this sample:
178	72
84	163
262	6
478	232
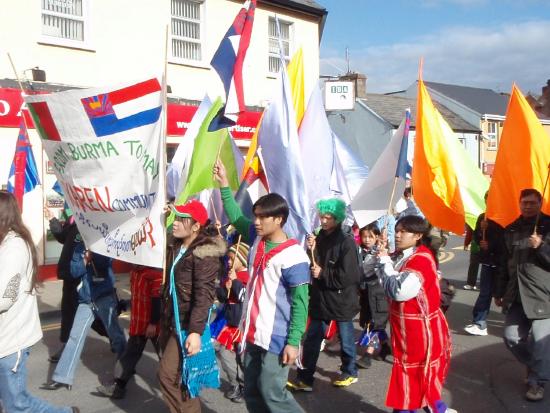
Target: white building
84	43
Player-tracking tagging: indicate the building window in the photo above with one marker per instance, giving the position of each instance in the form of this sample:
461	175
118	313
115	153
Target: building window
65	22
492	135
286	31
187	28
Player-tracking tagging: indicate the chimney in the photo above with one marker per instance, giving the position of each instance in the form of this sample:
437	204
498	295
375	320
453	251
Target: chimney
360	81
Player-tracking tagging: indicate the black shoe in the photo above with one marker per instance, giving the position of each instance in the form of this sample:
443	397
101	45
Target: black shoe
54	385
75	409
385	351
238	396
364	362
118	392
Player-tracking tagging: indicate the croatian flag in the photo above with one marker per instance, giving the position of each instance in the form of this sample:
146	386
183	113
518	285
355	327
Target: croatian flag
228	62
124	109
23	175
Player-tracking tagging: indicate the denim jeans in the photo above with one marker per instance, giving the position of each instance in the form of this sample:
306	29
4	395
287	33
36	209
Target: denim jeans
265	380
529	342
105	307
312	347
483	302
13	387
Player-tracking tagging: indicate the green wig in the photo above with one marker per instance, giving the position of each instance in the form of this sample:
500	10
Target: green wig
333	206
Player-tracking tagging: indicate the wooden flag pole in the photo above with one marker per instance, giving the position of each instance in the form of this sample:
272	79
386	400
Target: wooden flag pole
543	193
163	148
218	224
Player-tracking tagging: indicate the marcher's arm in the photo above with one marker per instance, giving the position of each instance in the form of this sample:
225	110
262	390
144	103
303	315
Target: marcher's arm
399	286
235	215
298	314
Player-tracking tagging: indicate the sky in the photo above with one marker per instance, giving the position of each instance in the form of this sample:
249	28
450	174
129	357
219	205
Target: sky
479	43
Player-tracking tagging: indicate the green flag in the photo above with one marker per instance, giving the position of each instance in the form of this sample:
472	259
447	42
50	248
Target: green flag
206	149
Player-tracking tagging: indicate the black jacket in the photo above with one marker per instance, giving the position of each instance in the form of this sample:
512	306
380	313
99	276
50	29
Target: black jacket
334	295
65	233
524	275
493	236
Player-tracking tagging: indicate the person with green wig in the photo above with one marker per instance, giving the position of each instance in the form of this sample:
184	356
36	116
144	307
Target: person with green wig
333	294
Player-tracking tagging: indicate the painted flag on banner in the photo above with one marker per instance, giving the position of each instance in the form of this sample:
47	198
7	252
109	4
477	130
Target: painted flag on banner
124	109
114	185
23	176
447	185
228	62
521	163
279	151
372	200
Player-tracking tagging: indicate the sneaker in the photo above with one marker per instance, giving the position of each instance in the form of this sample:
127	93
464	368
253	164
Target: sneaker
535	393
299	385
239	397
364	362
234	392
119	392
106	390
475	330
470	287
345	380
449	410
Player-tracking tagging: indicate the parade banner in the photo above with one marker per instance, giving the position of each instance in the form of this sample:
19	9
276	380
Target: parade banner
106	149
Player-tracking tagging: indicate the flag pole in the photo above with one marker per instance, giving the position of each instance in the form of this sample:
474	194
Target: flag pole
44	238
164	132
543	193
234	260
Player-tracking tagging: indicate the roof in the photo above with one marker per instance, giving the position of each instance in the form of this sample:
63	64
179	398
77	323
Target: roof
483	101
392	108
302	5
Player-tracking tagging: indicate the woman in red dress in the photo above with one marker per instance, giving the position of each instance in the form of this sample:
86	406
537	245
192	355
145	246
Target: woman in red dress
420	337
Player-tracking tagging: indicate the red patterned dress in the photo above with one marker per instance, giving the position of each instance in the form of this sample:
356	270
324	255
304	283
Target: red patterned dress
420	337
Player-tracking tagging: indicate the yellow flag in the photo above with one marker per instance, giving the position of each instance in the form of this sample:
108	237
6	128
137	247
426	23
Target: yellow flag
295	71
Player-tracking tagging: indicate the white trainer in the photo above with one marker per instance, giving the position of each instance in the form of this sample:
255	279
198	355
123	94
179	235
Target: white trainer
475	330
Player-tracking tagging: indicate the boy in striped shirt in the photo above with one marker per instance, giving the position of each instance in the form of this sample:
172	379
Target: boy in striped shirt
276	305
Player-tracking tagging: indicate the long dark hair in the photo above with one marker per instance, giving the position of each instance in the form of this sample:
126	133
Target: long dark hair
207	230
10	220
418	225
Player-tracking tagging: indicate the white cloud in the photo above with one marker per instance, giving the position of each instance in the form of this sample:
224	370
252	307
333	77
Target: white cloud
482	57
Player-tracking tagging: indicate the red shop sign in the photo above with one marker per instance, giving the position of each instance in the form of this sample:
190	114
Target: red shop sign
179	117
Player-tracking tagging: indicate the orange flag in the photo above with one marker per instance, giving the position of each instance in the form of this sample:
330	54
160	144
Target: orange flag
522	161
447	185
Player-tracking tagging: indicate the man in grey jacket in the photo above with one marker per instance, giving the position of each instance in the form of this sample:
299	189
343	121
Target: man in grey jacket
523	290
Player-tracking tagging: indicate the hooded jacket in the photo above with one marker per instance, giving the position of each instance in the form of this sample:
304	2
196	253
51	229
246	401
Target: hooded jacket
195	276
334	295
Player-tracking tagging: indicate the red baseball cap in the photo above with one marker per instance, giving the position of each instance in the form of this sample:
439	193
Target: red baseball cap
192	209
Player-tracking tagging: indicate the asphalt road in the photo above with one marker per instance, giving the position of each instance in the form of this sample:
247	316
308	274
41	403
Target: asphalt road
484	377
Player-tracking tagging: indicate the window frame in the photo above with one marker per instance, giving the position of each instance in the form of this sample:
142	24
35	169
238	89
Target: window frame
290	40
85	44
492	136
202	38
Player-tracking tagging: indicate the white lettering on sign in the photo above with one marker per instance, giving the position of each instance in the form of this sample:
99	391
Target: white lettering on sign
4	108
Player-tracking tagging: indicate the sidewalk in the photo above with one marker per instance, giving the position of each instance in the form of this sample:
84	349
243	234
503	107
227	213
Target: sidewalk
49	295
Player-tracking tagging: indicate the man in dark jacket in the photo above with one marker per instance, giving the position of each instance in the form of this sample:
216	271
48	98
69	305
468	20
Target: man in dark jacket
523	290
65	233
333	294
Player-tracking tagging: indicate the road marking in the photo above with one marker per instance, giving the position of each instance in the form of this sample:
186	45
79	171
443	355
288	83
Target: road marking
56	326
445	256
458	248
